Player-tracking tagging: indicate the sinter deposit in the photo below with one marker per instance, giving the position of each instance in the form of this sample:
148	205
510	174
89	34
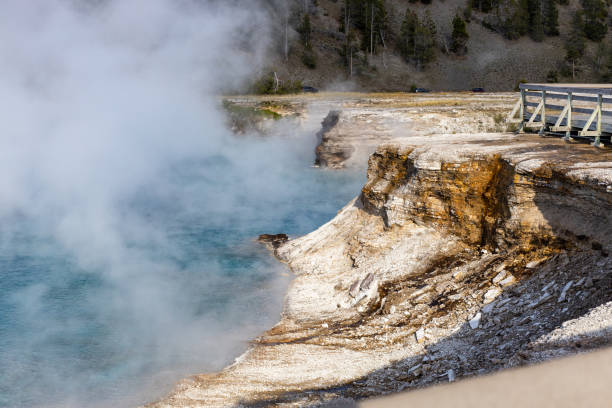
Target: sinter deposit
463	254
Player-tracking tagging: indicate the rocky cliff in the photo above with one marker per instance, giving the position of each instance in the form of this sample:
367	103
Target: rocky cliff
456	259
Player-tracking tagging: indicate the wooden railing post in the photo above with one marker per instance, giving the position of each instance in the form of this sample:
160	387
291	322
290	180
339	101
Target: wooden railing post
599	114
596	127
522	113
543	114
568	132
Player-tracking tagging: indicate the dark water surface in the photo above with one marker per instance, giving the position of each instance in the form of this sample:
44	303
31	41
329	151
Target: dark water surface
118	328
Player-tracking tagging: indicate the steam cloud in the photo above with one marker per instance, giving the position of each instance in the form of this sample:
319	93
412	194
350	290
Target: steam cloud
104	103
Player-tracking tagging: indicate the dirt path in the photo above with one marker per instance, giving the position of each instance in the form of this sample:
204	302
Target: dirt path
578	381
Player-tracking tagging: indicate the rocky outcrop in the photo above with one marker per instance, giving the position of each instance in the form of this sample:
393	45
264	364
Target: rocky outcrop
273	241
466	196
246	116
493	196
328	152
457	259
349	134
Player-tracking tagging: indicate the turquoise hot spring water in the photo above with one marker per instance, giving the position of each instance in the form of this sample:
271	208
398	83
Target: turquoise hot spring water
182	295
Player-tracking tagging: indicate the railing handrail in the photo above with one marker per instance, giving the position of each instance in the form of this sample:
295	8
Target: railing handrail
558	95
538	118
594	89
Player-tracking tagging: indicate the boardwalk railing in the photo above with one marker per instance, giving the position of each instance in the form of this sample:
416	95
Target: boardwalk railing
587	119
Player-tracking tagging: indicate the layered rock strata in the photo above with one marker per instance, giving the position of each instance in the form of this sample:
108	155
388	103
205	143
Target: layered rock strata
457	259
350	134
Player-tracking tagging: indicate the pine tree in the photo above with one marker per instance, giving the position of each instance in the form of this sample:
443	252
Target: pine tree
575	42
309	58
418	39
369	17
517	22
351	19
536	26
425	41
374	21
407	34
595	14
305	30
484	6
431	25
459	37
551	18
382	20
599	58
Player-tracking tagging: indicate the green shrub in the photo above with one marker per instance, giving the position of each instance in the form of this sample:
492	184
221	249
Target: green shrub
499	118
552	76
242	119
521	81
263	85
290	87
459	36
266	86
512	127
566	70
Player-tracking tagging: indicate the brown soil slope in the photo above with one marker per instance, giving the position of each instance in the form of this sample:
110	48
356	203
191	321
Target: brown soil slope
492	62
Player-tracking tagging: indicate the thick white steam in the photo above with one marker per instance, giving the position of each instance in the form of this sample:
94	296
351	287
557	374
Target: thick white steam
101	101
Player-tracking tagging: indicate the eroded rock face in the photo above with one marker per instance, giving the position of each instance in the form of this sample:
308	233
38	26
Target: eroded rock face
467	197
492	196
328	152
273	241
465	256
349	134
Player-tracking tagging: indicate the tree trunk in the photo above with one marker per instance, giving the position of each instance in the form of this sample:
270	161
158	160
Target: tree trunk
286	48
347	22
382	39
372	31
